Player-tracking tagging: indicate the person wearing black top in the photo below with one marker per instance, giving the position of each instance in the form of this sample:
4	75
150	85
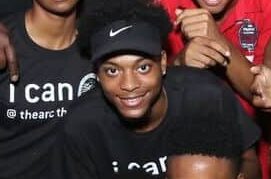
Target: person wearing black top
121	129
53	74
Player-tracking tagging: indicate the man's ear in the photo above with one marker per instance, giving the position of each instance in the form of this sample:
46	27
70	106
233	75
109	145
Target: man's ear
241	176
164	62
98	79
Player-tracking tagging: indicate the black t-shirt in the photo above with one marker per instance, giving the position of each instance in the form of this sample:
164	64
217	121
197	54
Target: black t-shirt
32	108
98	145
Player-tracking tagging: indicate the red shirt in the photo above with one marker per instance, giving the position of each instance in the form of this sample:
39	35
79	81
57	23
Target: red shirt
258	13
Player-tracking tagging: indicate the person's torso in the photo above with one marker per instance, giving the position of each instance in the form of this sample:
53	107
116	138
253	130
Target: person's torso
119	152
115	150
49	82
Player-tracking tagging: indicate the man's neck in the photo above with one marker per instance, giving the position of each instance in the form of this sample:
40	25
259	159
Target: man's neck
219	18
49	30
157	114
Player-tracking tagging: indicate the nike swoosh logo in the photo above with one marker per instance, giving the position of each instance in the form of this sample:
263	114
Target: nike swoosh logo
114	33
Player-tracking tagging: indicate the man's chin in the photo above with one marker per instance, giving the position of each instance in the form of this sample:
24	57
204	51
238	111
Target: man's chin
135	121
133	115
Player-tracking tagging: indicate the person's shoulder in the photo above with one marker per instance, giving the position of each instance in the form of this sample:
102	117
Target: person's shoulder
89	106
89	102
84	112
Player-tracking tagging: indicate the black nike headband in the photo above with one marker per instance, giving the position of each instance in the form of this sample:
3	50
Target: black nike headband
122	36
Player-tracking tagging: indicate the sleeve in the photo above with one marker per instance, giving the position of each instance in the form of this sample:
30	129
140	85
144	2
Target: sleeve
78	160
73	154
77	139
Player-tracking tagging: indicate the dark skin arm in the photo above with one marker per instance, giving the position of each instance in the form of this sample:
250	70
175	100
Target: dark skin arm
261	90
7	55
208	47
238	73
261	87
251	166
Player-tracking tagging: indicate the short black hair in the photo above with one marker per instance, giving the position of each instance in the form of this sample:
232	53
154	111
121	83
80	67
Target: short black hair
207	135
100	13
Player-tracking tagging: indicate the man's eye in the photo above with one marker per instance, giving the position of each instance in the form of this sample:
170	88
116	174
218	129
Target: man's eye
112	71
144	68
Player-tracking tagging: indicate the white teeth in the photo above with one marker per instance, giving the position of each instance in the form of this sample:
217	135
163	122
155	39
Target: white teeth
212	2
132	101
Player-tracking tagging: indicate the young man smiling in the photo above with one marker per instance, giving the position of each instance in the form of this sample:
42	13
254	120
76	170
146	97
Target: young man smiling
124	125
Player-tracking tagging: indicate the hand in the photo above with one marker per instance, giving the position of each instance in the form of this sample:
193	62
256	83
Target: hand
261	87
207	46
7	55
198	23
201	52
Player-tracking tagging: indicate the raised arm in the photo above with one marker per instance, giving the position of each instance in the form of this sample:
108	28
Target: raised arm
8	59
208	47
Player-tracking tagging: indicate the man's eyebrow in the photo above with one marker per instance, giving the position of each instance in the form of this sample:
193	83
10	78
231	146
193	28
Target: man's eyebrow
137	60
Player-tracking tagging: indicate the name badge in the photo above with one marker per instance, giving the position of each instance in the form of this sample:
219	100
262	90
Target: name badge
248	35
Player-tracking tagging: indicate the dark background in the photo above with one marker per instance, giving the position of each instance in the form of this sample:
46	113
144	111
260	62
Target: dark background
11	6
